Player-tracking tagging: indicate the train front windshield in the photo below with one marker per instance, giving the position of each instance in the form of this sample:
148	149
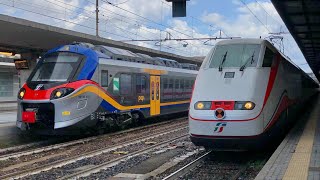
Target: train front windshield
235	55
56	67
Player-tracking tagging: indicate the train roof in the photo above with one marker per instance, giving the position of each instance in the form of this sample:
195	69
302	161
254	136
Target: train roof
144	55
146	66
128	56
118	51
261	41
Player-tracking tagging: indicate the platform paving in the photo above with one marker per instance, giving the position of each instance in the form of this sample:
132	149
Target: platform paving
298	155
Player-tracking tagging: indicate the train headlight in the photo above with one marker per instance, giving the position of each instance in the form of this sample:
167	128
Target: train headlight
202	105
244	105
248	105
61	92
58	94
21	93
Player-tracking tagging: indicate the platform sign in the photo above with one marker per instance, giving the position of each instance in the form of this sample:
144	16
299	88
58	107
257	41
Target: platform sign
21	64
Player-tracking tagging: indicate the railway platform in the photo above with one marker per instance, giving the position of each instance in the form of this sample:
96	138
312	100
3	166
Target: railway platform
298	155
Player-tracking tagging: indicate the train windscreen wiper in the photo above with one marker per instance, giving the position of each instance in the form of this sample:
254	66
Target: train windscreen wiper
223	60
245	64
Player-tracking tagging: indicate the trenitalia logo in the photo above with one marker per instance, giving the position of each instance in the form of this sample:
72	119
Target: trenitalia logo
38	87
219	127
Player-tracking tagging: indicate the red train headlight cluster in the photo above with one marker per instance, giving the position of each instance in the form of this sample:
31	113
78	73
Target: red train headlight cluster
61	92
21	93
227	105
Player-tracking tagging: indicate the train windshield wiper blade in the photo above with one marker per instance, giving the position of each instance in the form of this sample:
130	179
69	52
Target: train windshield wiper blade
223	60
245	64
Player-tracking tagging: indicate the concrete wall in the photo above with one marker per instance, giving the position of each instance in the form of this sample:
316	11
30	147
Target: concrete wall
9	82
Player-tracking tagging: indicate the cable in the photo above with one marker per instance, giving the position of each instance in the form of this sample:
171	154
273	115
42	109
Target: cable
122	2
61	19
144	17
255	16
171	28
85	17
268	13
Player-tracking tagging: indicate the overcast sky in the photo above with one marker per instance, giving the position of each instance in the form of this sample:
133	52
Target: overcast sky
151	19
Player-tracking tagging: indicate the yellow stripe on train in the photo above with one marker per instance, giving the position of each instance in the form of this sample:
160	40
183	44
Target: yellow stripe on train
103	95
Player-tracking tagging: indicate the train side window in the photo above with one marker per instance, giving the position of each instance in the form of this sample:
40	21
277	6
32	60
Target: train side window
176	84
171	84
187	85
141	84
268	57
104	78
165	83
182	84
125	84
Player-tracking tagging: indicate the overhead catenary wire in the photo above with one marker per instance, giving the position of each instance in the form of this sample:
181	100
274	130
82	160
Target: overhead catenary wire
140	16
150	20
278	22
85	17
265	26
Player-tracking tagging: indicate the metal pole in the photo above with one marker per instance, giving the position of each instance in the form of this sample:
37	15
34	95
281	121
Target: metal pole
97	18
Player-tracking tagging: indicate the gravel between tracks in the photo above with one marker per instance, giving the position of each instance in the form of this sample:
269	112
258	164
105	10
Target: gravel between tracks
78	149
184	146
99	159
229	165
96	160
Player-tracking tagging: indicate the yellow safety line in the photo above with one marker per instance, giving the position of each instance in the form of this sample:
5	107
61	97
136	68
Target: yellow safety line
298	167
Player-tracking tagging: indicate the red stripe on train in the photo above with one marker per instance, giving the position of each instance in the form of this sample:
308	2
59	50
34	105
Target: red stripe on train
272	77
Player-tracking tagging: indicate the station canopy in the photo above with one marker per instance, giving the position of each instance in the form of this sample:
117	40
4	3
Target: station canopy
302	18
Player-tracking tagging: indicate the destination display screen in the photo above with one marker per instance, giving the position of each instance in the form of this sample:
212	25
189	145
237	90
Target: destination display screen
21	64
229	75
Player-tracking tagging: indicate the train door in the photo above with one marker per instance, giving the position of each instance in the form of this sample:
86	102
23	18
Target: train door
154	95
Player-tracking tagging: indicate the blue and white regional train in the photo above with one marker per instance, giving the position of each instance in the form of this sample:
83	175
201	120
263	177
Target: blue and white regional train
81	86
244	95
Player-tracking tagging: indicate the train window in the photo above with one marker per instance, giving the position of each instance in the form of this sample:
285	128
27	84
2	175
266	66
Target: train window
235	55
165	83
268	57
187	84
181	84
104	78
141	84
125	84
171	84
176	84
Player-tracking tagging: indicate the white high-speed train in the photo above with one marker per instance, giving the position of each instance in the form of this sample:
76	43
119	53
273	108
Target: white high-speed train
244	95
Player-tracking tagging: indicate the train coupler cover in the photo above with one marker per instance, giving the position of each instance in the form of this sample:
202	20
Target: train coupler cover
29	117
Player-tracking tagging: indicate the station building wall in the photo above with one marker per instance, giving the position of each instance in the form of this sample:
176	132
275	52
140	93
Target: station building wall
9	81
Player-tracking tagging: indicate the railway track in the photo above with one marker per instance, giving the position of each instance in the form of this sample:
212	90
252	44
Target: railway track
217	165
88	171
187	168
4	155
50	157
